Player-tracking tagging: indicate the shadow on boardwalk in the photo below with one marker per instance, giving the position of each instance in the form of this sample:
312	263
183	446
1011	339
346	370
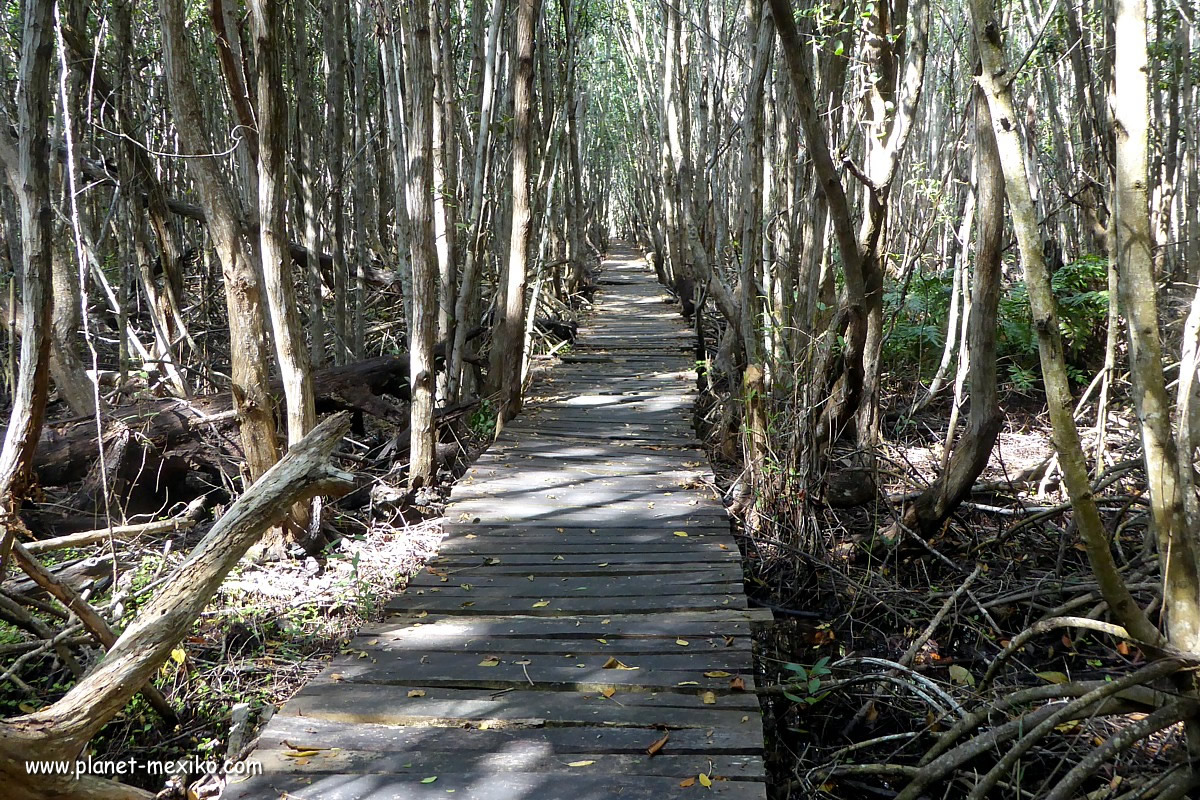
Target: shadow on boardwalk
587	605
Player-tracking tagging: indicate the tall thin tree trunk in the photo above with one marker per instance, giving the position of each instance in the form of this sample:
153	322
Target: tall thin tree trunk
504	369
993	80
475	244
251	393
423	323
335	143
310	140
1178	546
267	24
29	175
971	453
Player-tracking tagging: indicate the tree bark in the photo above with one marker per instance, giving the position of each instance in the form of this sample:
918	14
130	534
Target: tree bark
945	494
475	244
997	86
278	284
423	252
243	291
504	369
1178	546
31	177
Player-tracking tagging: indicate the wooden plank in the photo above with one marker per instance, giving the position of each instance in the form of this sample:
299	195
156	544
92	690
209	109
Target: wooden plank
377	704
382	659
406	638
305	733
599	585
621	513
661	541
688	624
553	589
450	561
533	759
486	784
563	606
558	674
703	529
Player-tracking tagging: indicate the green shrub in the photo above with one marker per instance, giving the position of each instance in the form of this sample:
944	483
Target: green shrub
919	318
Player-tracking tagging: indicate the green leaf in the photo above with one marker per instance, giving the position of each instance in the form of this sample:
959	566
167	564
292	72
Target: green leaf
798	669
961	675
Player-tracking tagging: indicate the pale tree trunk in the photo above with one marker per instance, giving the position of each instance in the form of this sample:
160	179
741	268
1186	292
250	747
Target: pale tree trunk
1177	545
475	244
958	291
759	37
423	323
278	284
66	365
996	84
310	145
672	156
243	292
970	457
574	205
361	138
335	143
445	172
508	334
887	137
28	171
1094	208
393	78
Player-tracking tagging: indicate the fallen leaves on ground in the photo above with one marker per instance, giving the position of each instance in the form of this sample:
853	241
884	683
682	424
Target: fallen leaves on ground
613	663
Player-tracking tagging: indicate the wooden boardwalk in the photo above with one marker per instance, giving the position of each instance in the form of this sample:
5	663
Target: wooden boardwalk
586	610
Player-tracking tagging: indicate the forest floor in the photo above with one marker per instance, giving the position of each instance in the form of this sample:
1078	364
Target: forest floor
883	638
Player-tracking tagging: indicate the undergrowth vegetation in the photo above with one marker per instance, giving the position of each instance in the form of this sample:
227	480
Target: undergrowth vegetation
917	314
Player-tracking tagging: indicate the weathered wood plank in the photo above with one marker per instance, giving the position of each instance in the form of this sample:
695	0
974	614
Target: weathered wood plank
486	784
614	645
562	606
532	759
599	585
591	559
586	539
372	703
688	624
306	733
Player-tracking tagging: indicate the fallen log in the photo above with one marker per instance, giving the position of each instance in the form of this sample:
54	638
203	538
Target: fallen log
185	521
59	732
66	452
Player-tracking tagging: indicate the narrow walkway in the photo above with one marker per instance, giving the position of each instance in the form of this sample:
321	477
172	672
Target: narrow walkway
587	609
